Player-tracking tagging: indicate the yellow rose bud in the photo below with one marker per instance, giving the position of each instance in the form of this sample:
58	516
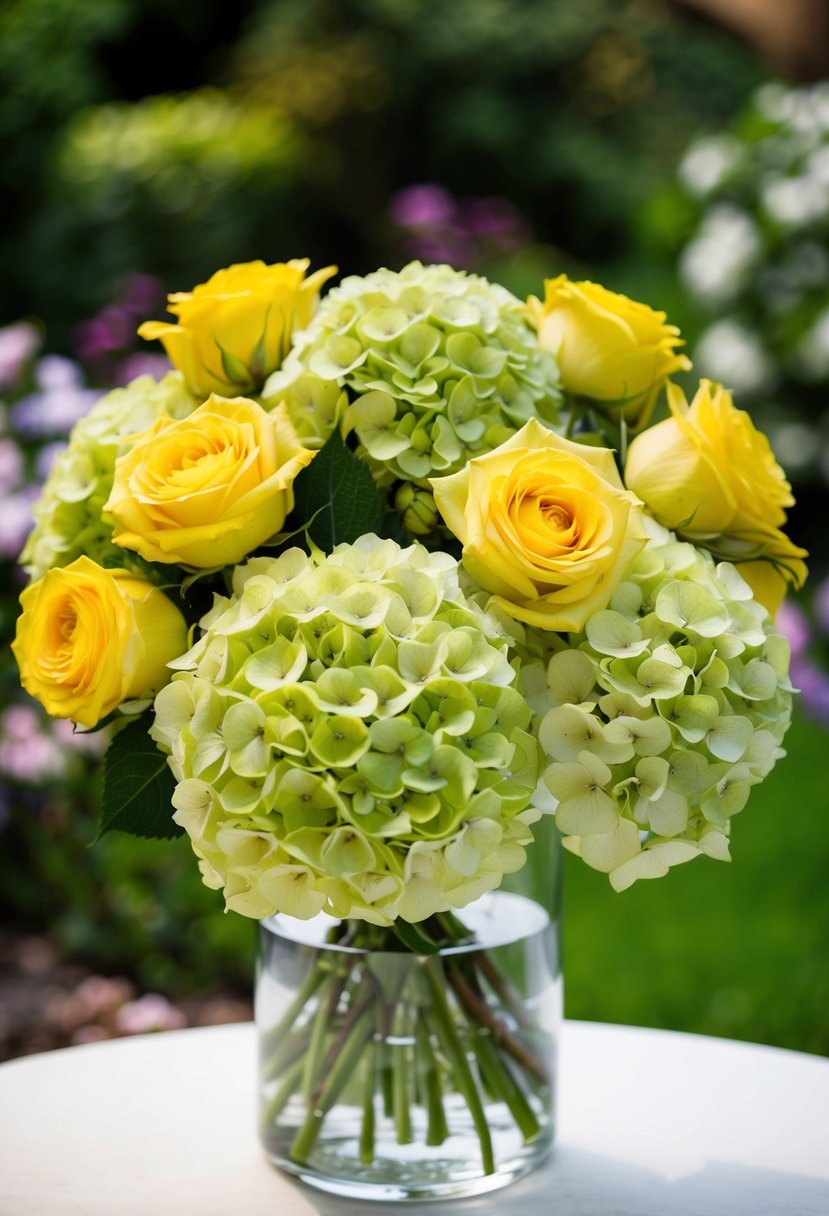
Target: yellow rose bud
546	526
708	473
235	329
89	639
206	490
616	352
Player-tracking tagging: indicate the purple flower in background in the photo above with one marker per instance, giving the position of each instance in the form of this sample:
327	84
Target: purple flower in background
141	293
807	673
793	622
54	373
495	219
16	522
103	342
422	206
437	227
18	343
112	330
46	458
142	363
55	410
11	466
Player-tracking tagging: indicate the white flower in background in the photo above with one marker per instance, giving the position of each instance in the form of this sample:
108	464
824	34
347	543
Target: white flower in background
733	354
708	162
716	265
796	202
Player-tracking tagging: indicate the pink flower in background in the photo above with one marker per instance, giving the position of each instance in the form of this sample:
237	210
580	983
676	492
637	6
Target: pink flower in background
93	743
148	1013
28	749
101	995
18	343
40	760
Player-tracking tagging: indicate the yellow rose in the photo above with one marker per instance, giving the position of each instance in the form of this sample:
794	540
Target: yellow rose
708	473
235	329
612	350
546	525
206	490
90	638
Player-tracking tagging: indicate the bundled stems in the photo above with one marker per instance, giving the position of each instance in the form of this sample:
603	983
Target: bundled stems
389	1039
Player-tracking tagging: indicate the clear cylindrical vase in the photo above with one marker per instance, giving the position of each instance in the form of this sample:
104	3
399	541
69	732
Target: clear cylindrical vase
389	1071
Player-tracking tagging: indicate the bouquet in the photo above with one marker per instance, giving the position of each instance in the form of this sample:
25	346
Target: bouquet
374	588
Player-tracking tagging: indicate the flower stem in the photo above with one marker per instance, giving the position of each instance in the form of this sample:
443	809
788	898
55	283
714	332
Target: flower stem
346	1052
367	1123
482	1014
280	1098
309	986
437	1129
401	1075
503	1084
441	1021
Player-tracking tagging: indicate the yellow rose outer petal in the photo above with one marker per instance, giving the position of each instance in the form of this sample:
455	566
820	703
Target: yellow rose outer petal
207	490
234	330
546	526
89	639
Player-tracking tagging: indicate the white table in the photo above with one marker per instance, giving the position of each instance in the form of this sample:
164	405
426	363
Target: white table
650	1123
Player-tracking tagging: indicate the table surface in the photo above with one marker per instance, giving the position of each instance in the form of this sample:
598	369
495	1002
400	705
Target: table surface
650	1122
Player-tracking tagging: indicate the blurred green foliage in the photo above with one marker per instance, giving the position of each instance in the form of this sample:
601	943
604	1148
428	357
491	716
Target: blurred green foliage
178	185
326	108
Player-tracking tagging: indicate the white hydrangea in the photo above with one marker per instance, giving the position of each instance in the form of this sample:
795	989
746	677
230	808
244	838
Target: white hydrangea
665	711
69	519
347	736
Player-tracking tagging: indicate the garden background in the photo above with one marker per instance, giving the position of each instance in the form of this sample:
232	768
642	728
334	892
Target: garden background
678	152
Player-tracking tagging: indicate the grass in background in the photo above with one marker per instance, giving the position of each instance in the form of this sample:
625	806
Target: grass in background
740	950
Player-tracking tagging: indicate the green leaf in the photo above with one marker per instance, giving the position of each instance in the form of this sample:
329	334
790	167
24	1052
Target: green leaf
413	938
336	492
138	786
237	372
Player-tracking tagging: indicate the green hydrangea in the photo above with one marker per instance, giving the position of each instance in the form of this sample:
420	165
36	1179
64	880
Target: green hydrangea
346	737
665	711
428	366
69	519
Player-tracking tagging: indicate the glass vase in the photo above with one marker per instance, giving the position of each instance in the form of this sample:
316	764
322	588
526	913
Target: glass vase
427	1070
